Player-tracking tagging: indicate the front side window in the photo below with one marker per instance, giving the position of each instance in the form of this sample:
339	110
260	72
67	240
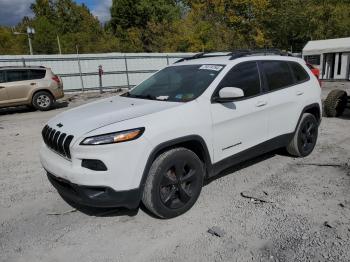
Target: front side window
177	83
17	75
277	74
244	76
299	72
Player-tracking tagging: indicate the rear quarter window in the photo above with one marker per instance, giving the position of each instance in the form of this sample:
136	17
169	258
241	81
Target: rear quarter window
37	74
277	73
299	72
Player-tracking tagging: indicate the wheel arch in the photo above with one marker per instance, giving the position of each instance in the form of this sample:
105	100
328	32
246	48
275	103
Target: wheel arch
313	109
194	143
40	90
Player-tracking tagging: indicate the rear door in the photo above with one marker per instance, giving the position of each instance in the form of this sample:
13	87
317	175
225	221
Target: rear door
3	93
17	85
37	78
241	124
285	97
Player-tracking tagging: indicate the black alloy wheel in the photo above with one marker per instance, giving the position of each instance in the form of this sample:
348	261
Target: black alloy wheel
174	183
178	184
308	135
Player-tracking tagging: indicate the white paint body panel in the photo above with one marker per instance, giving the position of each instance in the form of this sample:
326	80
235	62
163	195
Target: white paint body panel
243	123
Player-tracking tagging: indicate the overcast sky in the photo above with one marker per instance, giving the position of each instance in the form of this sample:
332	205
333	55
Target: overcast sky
12	11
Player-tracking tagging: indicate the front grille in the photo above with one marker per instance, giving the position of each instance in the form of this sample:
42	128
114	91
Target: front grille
57	141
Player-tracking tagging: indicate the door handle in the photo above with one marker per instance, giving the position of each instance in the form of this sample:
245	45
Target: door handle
261	103
2	87
299	93
32	84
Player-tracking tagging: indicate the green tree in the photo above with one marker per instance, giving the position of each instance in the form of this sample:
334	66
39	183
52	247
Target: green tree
142	22
73	23
11	44
179	25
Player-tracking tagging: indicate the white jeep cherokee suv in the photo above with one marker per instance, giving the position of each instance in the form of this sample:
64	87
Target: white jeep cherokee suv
158	142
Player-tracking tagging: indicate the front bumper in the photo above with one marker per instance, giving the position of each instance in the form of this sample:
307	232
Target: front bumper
94	196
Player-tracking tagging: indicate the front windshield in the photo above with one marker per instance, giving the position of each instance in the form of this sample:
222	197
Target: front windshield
177	83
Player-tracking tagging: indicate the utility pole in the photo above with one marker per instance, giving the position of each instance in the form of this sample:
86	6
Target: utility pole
30	33
59	45
30	46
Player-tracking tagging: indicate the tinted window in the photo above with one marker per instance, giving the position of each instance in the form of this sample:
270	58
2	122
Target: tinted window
37	74
177	83
300	74
277	74
17	75
244	76
2	76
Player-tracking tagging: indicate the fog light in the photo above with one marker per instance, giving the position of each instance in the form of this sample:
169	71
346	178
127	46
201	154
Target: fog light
93	164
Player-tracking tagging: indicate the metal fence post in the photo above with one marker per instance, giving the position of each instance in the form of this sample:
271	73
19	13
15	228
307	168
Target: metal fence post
167	59
127	71
100	73
80	73
23	61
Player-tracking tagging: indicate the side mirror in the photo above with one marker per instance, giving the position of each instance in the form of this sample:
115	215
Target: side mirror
229	94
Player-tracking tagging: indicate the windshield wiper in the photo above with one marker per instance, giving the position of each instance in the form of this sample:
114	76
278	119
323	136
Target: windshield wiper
149	97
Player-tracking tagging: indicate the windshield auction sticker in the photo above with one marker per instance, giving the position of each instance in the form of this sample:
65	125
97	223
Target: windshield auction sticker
211	67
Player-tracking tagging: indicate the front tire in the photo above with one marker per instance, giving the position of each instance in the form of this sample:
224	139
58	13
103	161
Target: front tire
305	137
174	183
42	101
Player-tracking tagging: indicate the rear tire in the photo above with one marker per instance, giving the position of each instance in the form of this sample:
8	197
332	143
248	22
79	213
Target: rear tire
42	101
305	137
174	183
335	103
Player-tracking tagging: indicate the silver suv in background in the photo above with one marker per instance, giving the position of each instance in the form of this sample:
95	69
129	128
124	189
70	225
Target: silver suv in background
33	86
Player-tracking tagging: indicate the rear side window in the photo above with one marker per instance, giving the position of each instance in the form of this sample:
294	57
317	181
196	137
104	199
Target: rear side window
299	72
2	76
16	75
277	74
244	76
37	74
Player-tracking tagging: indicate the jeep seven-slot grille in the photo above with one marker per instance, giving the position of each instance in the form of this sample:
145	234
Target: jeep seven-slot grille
57	141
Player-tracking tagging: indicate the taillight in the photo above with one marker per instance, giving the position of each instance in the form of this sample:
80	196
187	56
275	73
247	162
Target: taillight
56	79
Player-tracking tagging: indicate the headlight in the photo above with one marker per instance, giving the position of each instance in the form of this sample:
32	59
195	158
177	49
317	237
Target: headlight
116	137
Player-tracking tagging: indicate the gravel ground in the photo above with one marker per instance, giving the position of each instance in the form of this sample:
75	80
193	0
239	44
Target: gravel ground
306	216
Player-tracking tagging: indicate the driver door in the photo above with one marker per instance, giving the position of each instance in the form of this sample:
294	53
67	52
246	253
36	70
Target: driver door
241	124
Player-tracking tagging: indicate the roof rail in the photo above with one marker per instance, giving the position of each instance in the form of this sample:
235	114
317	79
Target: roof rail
21	66
249	52
237	54
201	55
196	56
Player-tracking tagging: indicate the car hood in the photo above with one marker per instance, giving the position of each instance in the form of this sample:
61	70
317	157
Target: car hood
83	119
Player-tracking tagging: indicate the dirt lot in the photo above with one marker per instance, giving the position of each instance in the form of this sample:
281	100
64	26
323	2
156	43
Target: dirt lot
306	216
